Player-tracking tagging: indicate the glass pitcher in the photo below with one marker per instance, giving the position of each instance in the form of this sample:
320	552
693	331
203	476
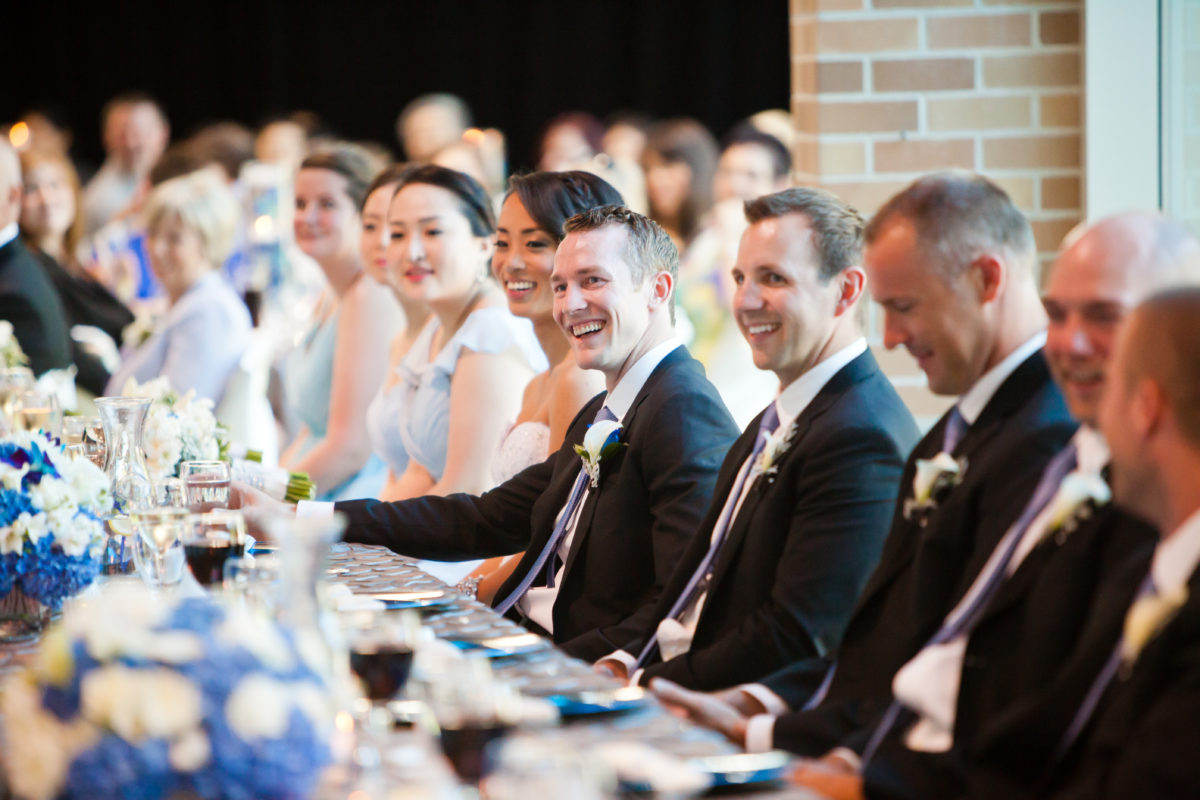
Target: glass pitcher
123	419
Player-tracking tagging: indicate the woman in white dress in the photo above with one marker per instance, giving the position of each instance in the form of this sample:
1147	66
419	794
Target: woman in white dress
528	234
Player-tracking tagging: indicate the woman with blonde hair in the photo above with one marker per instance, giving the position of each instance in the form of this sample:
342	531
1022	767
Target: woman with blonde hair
196	344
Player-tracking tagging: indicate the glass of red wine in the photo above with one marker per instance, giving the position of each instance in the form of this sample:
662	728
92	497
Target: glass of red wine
212	539
472	709
381	645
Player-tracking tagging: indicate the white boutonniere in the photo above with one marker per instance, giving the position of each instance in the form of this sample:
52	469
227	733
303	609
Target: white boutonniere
599	443
776	445
934	477
1078	496
1146	619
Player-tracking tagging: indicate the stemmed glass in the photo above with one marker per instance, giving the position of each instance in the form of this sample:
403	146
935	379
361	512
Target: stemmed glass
206	484
34	410
210	540
160	533
13	380
472	709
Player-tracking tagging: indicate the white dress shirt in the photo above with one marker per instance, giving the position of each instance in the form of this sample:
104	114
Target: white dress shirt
538	602
8	233
760	728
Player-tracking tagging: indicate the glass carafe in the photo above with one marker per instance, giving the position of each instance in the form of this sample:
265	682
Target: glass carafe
123	419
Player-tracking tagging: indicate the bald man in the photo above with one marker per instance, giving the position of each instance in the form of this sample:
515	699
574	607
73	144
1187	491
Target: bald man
971	704
27	297
1134	735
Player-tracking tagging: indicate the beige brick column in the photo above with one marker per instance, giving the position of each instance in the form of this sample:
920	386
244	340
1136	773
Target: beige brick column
885	90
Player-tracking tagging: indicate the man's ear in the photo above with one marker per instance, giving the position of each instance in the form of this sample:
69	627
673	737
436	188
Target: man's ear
1148	407
661	286
850	283
987	276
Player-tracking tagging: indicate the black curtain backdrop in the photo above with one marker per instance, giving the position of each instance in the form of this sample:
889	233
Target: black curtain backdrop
357	62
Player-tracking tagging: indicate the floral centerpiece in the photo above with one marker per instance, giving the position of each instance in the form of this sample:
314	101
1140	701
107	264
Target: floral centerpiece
11	354
178	428
51	533
135	698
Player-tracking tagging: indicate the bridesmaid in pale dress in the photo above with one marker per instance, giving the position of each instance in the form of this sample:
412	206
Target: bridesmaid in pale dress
528	233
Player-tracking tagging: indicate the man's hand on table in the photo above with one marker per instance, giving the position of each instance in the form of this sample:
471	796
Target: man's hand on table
830	776
710	710
248	499
613	667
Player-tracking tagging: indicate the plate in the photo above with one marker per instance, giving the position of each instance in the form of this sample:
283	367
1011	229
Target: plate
737	769
421	599
603	701
497	646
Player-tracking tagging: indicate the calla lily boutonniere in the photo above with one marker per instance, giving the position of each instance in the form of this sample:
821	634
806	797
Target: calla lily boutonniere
933	479
776	445
599	443
1078	496
1146	619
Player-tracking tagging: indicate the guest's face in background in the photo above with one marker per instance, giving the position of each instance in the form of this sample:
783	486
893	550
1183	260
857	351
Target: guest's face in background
1087	298
375	235
603	312
48	205
433	254
327	223
564	147
523	261
135	136
176	255
782	308
667	184
937	318
745	171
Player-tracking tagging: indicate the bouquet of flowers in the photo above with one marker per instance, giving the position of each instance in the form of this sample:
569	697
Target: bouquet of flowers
135	698
51	529
178	428
11	354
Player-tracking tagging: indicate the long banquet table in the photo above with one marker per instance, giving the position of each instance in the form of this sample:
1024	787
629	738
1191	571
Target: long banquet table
543	671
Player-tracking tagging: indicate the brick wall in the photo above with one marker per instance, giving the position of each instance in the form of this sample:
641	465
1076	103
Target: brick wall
885	90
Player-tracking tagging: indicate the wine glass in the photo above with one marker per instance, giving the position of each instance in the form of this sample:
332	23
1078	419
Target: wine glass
34	410
158	551
381	651
13	380
472	710
206	484
210	540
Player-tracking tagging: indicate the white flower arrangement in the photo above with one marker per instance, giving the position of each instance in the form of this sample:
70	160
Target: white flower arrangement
599	443
1146	618
1077	496
178	427
932	479
11	354
776	445
136	698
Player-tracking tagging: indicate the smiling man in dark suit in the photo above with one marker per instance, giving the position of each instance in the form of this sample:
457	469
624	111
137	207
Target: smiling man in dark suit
27	297
805	495
602	538
952	261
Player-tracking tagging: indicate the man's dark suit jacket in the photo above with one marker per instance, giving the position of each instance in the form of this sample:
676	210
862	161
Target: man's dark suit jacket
802	544
1142	739
28	300
921	572
1068	585
632	529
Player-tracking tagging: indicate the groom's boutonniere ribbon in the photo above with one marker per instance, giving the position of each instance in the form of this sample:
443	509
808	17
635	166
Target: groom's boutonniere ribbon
599	443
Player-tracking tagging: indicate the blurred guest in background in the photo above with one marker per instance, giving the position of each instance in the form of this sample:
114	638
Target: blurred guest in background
429	123
570	141
680	160
196	344
135	134
463	377
27	297
339	364
52	227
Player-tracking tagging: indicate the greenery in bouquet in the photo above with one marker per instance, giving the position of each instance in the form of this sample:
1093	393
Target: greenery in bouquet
51	510
178	428
11	354
133	698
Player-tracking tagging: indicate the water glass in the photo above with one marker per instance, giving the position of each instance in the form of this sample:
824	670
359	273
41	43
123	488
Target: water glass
206	484
169	493
253	581
14	380
158	551
34	410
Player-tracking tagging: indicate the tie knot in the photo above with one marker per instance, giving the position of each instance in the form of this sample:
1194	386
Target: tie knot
769	421
956	428
604	414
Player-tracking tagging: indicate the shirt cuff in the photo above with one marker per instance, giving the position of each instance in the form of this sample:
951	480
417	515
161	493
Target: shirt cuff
314	509
851	758
636	678
622	657
772	702
760	733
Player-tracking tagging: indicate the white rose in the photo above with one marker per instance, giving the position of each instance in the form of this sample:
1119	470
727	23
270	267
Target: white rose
51	493
11	477
597	435
258	708
190	751
138	704
34	526
11	540
38	747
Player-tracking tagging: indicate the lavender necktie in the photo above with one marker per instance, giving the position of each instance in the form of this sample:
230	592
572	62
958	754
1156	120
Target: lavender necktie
560	528
956	428
703	574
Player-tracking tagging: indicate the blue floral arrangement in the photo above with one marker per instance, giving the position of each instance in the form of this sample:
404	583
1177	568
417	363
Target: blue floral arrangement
136	698
51	519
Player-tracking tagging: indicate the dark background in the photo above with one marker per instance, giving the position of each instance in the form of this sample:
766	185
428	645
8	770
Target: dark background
357	62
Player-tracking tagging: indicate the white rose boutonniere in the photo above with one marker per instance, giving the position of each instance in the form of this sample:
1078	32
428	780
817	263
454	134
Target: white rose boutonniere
1079	494
1146	619
776	445
599	443
934	477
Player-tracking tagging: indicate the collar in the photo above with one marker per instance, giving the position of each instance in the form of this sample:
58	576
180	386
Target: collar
1091	450
972	402
8	233
621	397
1176	557
796	396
